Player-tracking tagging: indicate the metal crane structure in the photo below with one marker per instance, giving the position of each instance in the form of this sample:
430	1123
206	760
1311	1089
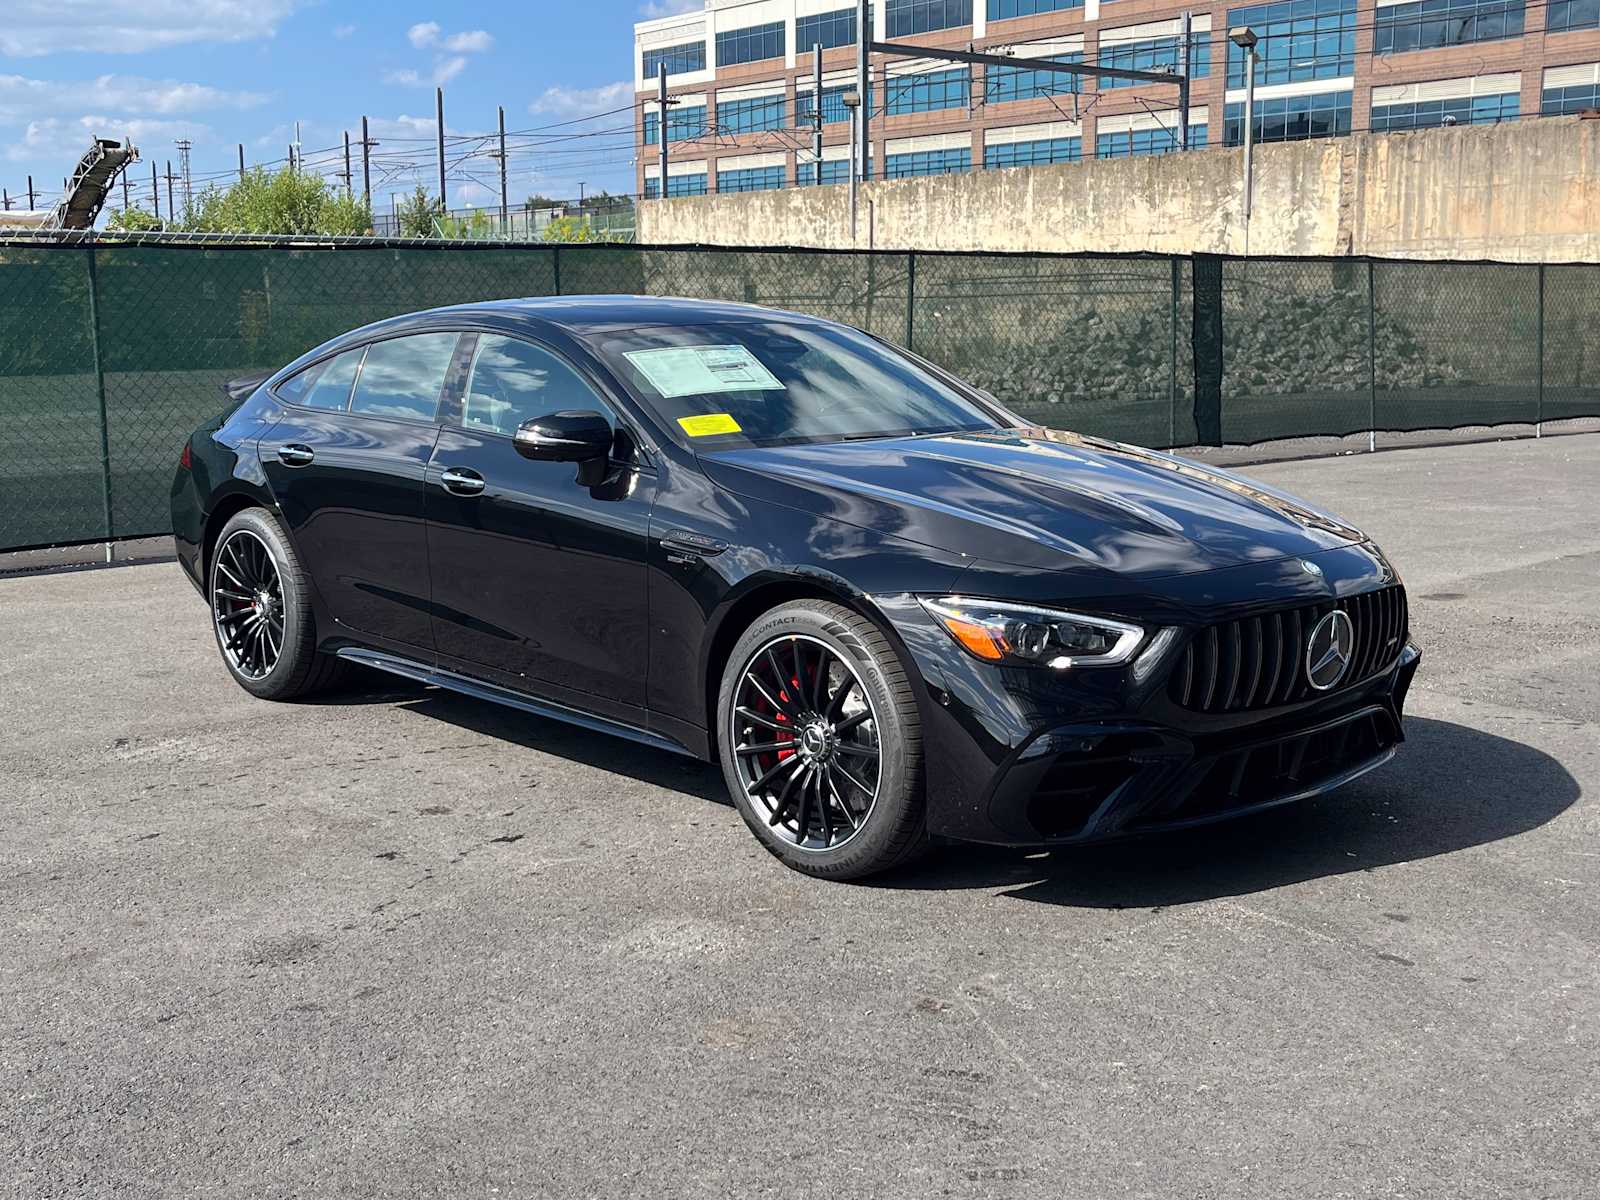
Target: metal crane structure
85	191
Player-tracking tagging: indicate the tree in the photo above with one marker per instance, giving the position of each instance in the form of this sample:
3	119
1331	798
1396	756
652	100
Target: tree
577	229
285	202
417	213
132	220
537	201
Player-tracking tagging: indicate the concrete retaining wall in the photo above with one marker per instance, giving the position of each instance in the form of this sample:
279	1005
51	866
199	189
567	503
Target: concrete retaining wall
1522	192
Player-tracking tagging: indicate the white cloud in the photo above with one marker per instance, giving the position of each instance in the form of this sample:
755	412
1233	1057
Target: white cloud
583	102
474	195
343	31
669	8
35	27
447	69
423	34
474	41
22	99
444	70
49	135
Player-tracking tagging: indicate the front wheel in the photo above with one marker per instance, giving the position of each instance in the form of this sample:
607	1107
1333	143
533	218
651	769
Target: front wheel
821	742
261	611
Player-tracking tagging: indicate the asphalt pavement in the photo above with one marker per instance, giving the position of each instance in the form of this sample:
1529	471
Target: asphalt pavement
399	943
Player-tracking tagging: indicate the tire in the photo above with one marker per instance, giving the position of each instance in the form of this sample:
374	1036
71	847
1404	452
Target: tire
836	831
249	553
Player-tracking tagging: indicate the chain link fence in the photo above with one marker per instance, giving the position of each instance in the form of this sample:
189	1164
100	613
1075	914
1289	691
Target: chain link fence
111	353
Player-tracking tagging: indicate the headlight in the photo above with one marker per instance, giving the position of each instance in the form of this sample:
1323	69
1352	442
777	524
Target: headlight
1042	637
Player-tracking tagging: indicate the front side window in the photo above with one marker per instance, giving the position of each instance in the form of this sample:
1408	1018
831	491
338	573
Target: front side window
767	383
402	377
323	385
924	16
514	381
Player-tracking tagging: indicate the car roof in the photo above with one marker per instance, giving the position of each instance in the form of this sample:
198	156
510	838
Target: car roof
588	314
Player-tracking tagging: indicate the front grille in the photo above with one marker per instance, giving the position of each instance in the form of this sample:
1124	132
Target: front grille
1259	662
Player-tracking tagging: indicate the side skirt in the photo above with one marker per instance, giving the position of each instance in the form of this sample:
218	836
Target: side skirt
480	690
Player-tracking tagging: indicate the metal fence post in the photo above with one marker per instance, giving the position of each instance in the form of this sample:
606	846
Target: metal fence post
1538	412
1372	359
1206	338
1172	362
555	267
911	295
100	391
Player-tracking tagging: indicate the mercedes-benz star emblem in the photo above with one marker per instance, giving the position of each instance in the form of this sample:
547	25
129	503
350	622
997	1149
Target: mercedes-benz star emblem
1310	568
1328	650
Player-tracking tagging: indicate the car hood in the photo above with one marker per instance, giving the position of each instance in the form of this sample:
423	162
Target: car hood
1038	498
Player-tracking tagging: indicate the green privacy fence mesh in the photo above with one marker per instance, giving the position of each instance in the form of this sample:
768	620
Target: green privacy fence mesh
110	354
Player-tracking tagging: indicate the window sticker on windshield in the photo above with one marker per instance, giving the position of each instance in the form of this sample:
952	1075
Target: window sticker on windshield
708	424
698	370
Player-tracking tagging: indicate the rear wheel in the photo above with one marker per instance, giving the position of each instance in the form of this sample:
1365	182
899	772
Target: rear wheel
821	744
261	611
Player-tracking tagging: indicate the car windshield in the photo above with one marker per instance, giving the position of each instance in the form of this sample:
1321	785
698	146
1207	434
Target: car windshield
767	383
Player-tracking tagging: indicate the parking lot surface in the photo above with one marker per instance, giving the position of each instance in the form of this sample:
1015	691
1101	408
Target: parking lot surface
399	943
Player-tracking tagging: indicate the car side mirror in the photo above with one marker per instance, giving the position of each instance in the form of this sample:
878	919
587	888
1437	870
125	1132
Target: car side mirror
581	437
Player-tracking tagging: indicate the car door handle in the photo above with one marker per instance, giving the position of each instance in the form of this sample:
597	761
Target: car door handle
295	455
461	481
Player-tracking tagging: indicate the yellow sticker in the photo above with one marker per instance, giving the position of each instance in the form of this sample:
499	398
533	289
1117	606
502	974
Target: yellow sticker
710	423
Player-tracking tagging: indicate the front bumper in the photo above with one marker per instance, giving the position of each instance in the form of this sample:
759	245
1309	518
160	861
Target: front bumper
1095	781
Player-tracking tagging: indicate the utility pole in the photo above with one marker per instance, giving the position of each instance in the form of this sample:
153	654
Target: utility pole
155	192
349	179
661	124
241	162
292	167
1185	31
30	193
366	163
504	207
5	200
438	104
863	89
816	110
172	211
125	191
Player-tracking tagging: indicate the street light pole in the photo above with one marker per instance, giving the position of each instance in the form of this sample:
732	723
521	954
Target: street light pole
816	110
1245	38
852	101
863	94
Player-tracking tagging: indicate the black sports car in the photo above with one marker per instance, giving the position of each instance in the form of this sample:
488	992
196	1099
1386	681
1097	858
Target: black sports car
892	610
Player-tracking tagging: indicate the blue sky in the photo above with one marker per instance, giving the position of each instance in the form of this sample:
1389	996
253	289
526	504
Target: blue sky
221	72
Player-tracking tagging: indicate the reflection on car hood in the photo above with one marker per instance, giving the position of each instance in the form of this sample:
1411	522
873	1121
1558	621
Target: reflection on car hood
1038	498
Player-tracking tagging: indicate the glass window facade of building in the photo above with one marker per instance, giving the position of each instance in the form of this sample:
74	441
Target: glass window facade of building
751	44
682	124
928	91
1155	54
750	179
1001	84
1001	10
1300	40
1427	24
834	170
904	17
1565	101
833	108
1563	15
677	185
751	116
1137	142
1291	118
829	29
689	56
1434	114
1038	153
927	162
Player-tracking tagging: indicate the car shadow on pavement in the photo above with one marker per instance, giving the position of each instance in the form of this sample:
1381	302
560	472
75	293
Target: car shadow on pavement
1449	788
572	742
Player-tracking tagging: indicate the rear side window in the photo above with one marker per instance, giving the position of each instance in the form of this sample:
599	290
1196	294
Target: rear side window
514	381
323	385
402	377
